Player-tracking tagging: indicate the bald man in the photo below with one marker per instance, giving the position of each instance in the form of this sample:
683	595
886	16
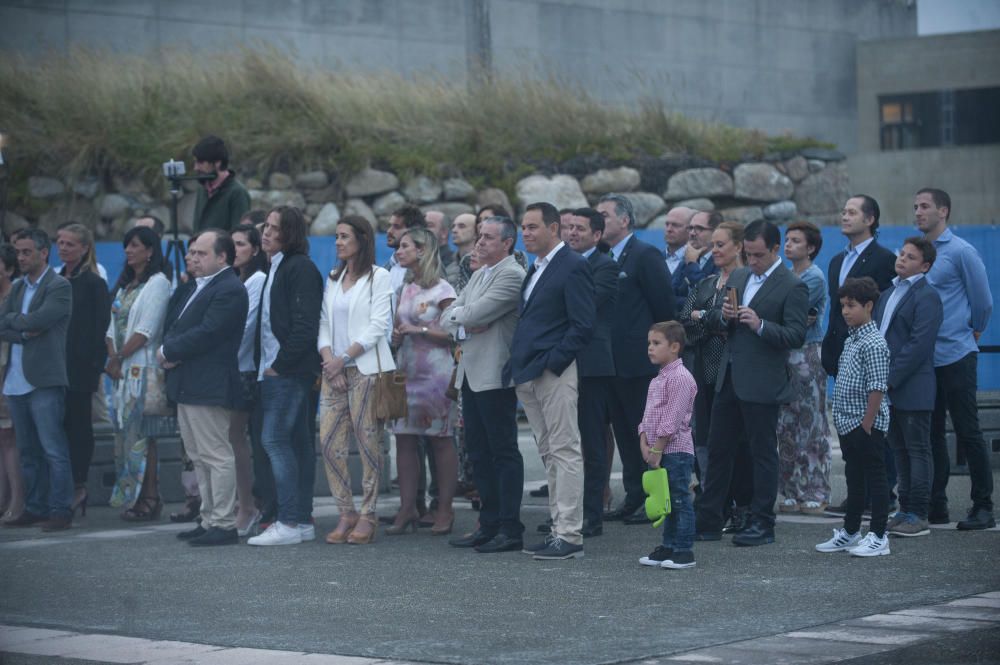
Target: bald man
675	235
463	234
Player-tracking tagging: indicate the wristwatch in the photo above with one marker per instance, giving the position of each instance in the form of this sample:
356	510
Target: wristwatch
346	358
701	314
423	330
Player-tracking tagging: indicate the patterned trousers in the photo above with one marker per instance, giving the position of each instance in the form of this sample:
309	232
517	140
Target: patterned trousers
804	431
343	414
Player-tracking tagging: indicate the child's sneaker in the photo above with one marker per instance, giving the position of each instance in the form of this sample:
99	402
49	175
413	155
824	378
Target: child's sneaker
872	545
679	560
657	557
841	541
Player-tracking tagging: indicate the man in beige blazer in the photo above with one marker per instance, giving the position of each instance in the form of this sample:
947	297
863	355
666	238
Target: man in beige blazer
482	320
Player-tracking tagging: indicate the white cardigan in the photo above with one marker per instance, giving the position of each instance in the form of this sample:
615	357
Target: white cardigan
146	318
368	322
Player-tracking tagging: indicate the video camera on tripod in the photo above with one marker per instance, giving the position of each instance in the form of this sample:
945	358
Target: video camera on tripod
175	172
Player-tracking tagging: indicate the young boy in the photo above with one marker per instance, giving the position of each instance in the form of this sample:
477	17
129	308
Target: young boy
665	439
908	315
861	417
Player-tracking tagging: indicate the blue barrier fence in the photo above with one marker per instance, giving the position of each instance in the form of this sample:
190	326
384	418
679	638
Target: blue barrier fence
985	238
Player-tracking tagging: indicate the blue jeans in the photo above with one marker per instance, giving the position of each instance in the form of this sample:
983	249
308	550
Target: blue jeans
909	437
678	528
41	441
289	441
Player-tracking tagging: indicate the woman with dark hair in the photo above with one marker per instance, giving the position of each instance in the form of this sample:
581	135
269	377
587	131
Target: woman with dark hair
251	266
425	356
137	313
11	481
86	352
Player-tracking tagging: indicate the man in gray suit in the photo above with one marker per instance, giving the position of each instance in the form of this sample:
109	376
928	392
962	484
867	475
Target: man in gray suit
34	319
482	320
766	321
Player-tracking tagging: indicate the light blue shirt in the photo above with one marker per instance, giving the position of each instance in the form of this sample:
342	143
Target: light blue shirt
269	345
753	286
16	383
675	259
816	282
960	278
590	251
851	258
616	251
902	288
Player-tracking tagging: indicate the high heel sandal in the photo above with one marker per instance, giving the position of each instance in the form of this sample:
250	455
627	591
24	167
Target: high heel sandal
354	538
144	510
339	536
402	529
443	530
80	503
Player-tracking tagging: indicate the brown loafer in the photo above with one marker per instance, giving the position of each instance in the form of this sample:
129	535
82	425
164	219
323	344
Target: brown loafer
55	523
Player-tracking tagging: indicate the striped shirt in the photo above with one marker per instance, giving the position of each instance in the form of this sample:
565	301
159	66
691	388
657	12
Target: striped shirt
669	403
863	369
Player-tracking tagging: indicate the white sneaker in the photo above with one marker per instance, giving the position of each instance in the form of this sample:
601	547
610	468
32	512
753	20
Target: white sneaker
277	534
841	541
872	545
308	532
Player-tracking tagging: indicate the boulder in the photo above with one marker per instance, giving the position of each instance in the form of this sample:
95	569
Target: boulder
450	208
704	205
312	209
797	168
14	222
815	165
604	181
697	183
824	154
370	182
87	187
646	206
253	183
161	212
385	204
312	180
42	187
79	210
278	180
760	181
186	207
112	206
493	196
823	192
422	189
360	208
458	189
325	223
272	198
135	186
780	210
742	214
322	195
658	223
562	191
831	219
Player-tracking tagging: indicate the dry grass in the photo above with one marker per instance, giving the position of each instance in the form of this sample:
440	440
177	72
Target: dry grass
92	112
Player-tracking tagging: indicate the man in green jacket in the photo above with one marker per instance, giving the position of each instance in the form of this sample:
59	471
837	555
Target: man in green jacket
221	202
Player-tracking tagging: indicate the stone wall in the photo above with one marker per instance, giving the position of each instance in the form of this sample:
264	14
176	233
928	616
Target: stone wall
811	184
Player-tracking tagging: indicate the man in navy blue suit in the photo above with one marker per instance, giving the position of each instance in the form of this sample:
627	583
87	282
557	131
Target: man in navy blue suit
909	315
201	342
556	320
644	297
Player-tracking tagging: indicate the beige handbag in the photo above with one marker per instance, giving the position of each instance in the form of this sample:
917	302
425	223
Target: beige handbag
390	392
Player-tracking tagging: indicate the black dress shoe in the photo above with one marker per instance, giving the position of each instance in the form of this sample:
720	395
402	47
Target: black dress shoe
540	492
474	539
192	533
26	519
839	510
755	534
620	513
215	536
591	529
978	519
739	521
637	517
500	543
938	516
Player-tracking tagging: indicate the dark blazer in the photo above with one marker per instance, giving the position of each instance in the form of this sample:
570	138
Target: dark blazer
296	301
876	262
44	355
644	297
205	340
597	358
86	350
760	362
911	336
556	322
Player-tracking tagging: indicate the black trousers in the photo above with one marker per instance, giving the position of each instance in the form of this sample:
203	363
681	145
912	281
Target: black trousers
864	465
497	466
593	415
733	421
956	394
80	433
628	402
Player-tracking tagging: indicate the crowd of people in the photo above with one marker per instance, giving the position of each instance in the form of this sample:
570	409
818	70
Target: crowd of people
709	359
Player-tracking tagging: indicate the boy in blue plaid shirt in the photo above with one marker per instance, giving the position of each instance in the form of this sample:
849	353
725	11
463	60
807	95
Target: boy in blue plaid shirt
861	417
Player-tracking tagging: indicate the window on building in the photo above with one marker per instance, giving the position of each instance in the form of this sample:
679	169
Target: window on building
942	118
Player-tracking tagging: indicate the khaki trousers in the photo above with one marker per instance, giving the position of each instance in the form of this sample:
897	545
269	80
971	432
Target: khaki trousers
205	430
343	414
550	402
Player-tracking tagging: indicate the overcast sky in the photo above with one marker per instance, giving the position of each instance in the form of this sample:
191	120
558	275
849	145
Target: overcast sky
935	17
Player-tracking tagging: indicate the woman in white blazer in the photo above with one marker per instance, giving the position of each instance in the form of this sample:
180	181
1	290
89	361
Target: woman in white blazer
353	327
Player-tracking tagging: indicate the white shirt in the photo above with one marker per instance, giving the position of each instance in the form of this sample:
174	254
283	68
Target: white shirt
340	315
753	286
675	259
851	258
616	251
590	251
16	383
254	285
540	265
903	287
269	345
200	284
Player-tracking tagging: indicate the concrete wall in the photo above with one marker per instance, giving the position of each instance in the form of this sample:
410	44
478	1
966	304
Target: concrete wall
778	65
921	64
